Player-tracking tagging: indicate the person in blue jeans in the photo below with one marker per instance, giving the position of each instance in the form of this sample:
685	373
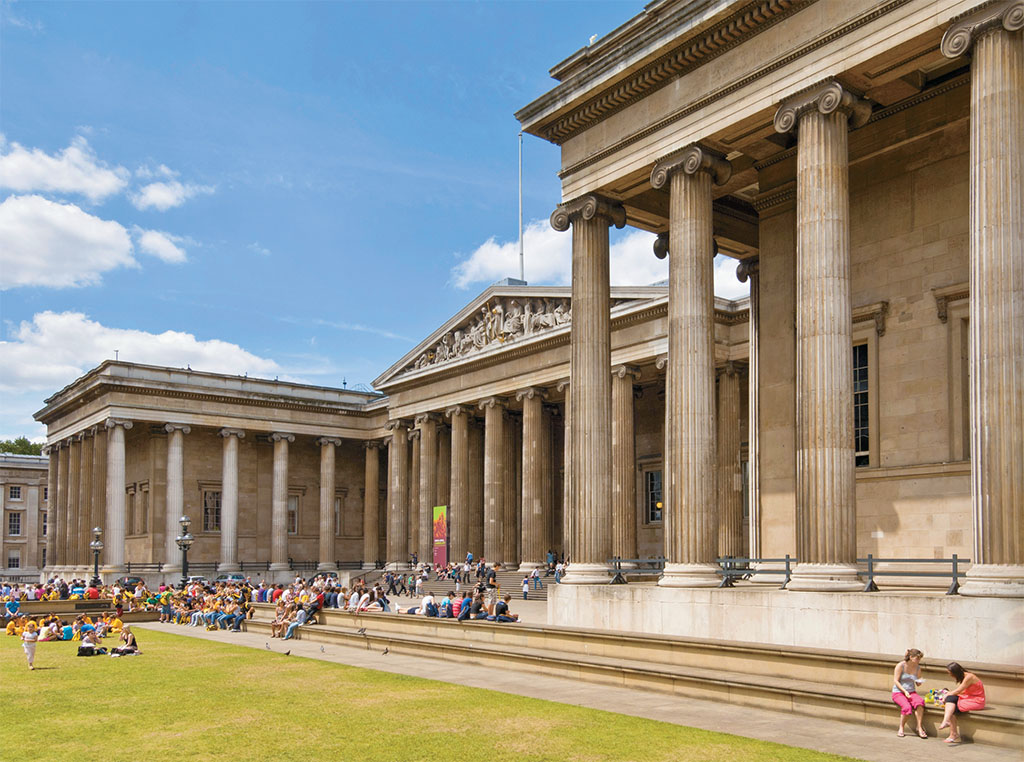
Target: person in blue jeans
299	621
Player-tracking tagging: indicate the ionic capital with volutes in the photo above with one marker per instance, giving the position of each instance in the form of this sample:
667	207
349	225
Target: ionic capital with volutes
111	423
373	444
691	160
336	441
182	427
453	410
971	26
661	246
563	385
530	393
661	361
427	417
226	432
622	371
748	269
413	435
279	436
396	424
489	402
587	208
826	97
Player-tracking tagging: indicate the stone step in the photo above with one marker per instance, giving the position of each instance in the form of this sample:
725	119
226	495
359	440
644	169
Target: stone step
491	644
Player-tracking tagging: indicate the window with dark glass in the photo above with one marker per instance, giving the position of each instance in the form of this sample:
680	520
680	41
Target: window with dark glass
211	511
652	496
861	419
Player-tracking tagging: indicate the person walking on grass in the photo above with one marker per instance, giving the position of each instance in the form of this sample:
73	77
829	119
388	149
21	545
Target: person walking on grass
29	638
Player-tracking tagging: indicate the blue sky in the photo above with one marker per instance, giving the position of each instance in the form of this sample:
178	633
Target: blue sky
302	190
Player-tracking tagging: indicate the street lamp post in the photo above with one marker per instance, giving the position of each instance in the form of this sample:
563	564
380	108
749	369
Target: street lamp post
97	546
184	541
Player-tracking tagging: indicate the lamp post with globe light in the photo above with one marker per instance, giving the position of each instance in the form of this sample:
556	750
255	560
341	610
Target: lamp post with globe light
97	547
184	541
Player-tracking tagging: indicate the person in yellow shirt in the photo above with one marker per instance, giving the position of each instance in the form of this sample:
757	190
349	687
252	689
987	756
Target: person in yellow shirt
12	626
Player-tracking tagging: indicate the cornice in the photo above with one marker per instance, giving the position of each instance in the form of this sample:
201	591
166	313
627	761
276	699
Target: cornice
747	22
876	312
946	296
738	83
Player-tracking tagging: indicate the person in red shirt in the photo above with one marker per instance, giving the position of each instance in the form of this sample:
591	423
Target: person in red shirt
278	592
92	592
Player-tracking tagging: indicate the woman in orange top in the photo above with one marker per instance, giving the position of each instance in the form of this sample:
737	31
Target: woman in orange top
968	695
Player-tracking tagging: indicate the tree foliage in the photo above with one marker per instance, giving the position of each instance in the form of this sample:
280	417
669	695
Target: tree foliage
20	446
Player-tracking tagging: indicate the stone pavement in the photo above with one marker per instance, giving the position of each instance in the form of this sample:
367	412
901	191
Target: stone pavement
860	742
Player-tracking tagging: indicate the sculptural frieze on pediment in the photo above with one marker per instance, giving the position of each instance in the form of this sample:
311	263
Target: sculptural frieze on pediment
499	321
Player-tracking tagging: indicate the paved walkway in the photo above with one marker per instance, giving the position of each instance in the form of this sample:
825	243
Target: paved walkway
860	742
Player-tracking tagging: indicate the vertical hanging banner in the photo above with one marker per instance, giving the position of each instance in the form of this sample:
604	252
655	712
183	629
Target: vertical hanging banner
440	533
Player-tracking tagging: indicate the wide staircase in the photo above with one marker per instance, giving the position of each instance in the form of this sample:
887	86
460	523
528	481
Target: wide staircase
508	582
843	686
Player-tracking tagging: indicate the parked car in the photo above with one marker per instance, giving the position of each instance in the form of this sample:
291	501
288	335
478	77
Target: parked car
130	582
235	578
193	578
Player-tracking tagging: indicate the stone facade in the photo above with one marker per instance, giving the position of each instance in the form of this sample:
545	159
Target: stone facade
862	162
24	495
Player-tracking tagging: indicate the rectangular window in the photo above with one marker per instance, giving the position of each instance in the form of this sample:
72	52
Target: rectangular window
13	559
211	511
293	514
42	518
14	524
652	497
46	494
861	409
143	512
337	516
44	555
14	493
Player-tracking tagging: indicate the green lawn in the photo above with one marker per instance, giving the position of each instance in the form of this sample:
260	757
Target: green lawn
192	699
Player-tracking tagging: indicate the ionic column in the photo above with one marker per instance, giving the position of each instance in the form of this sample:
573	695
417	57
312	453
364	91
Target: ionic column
826	500
61	517
444	469
427	424
623	462
328	447
730	494
229	500
114	536
74	477
494	476
475	515
414	493
750	269
398	510
511	505
175	506
85	498
690	518
99	477
590	359
458	503
536	535
371	505
991	35
279	503
568	524
53	453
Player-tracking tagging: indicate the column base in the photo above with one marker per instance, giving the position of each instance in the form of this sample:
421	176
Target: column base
229	566
690	575
327	566
115	570
825	578
170	569
397	566
368	566
587	574
994	581
529	566
280	566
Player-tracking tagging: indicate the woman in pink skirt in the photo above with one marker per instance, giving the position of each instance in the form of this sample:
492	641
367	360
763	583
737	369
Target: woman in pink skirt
905	680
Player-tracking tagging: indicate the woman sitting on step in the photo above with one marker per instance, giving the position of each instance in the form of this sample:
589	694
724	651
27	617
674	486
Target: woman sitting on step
967	696
906	678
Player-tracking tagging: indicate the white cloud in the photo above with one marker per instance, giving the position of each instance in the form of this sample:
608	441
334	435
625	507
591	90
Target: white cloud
44	243
73	170
163	195
148	173
160	244
548	261
54	349
263	251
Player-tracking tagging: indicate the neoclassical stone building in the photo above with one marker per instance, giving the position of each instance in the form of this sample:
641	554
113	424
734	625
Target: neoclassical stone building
863	163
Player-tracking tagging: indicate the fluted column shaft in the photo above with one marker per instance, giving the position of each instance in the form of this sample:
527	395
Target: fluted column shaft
996	343
535	511
690	518
398	510
175	507
730	494
623	463
99	478
458	503
85	498
513	492
568	543
371	505
749	270
328	447
279	503
590	359
444	469
494	477
414	494
428	484
61	522
74	478
114	537
51	505
475	514
229	500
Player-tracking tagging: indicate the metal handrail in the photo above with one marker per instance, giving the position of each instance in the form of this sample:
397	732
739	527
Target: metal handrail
733	567
955	573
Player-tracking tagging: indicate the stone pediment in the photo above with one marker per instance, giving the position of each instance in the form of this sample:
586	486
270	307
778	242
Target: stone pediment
500	317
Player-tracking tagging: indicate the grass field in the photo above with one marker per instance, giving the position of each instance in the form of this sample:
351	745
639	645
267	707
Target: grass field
189	699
